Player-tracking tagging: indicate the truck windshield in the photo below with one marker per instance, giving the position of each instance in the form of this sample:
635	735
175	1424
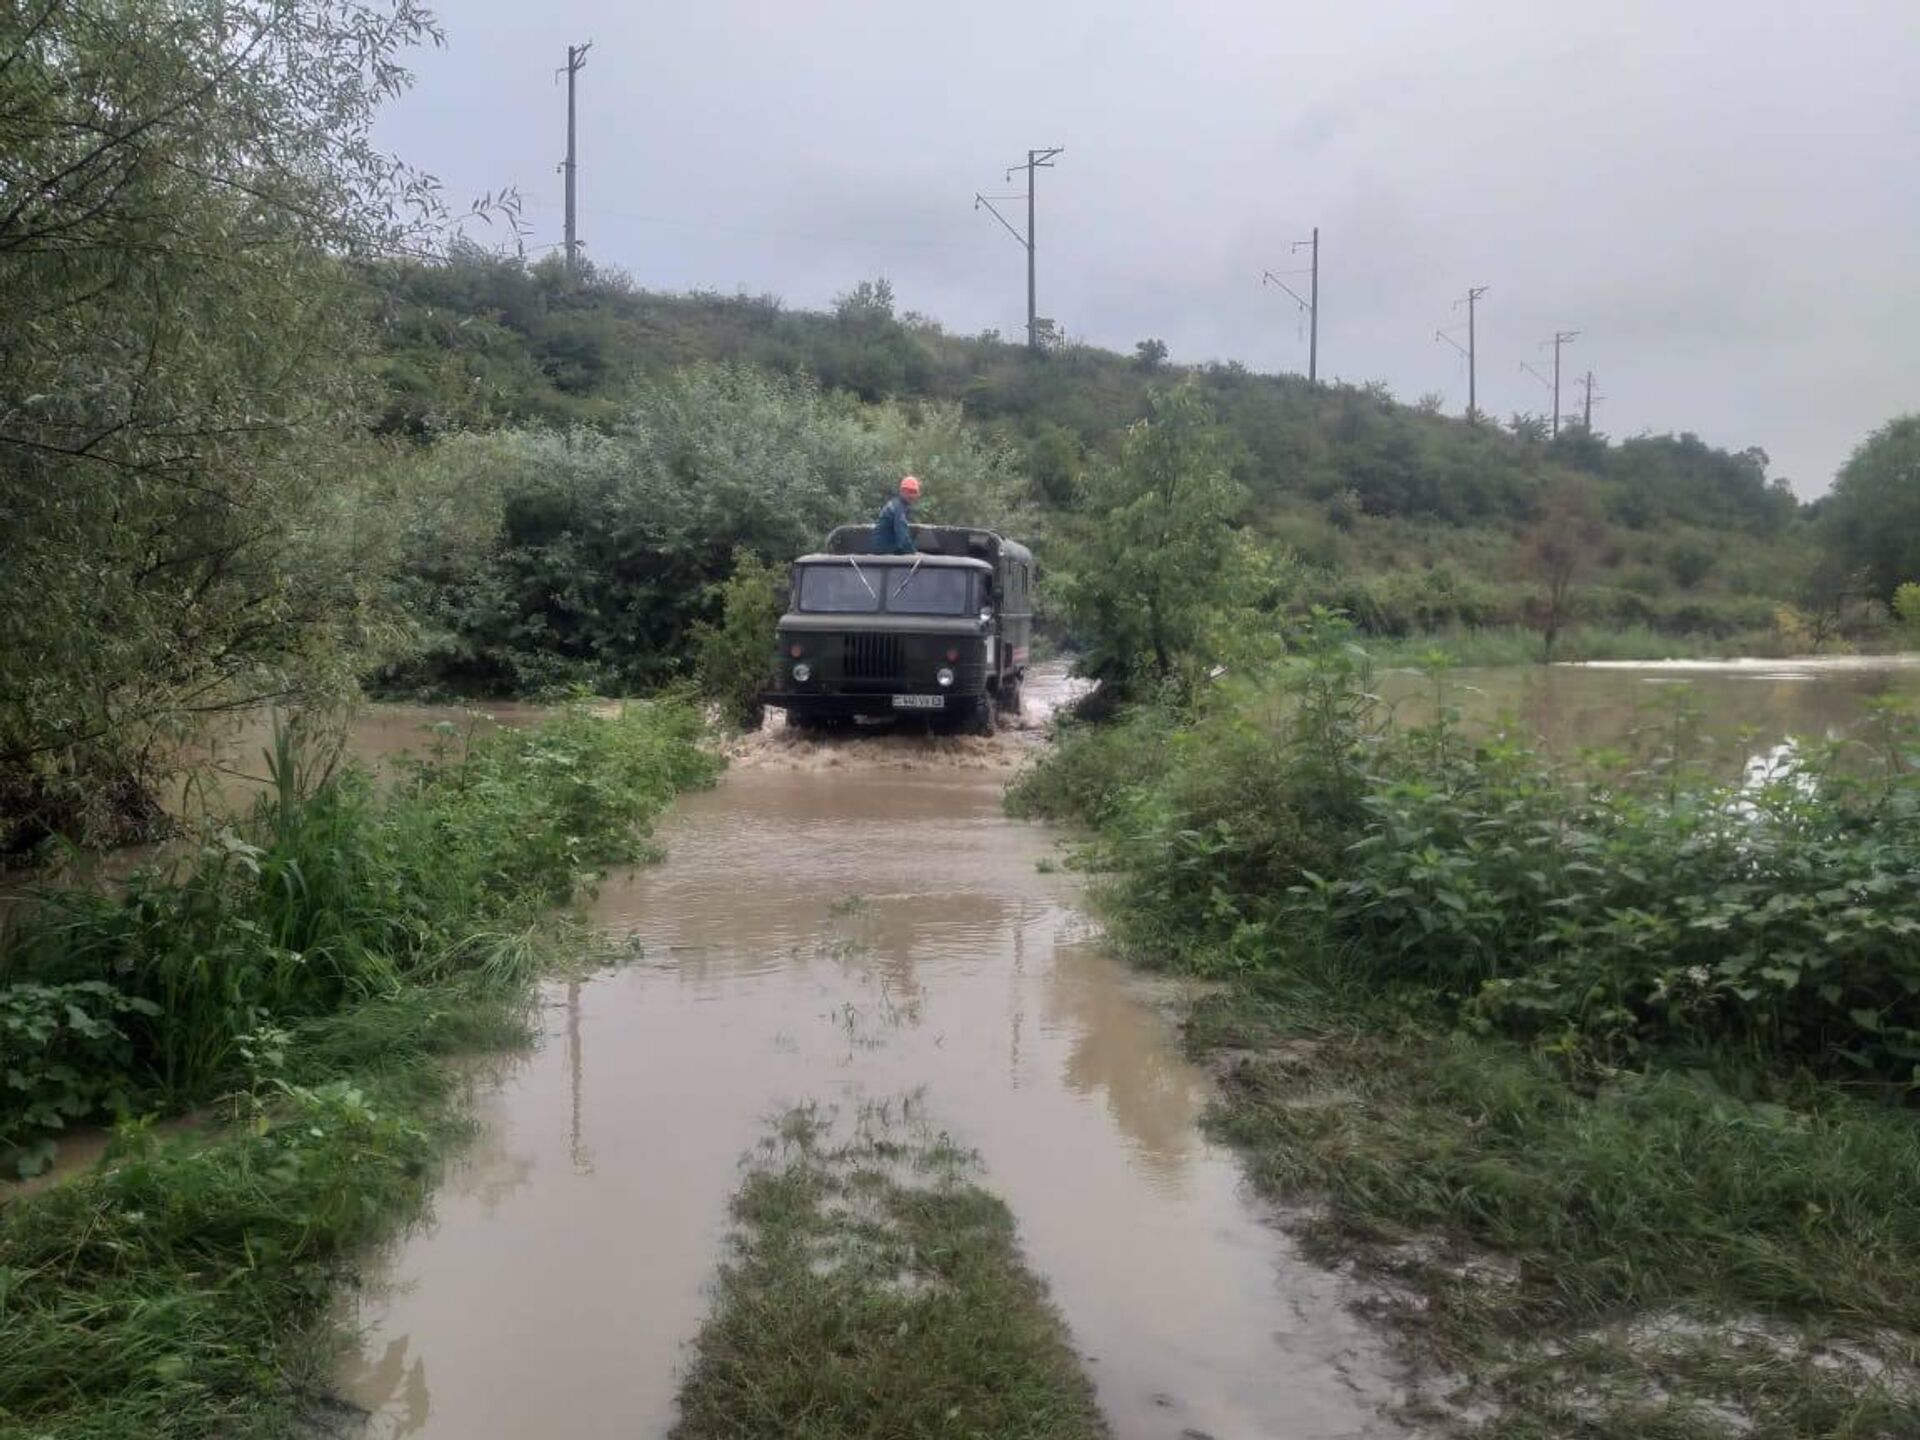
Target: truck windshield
839	589
927	591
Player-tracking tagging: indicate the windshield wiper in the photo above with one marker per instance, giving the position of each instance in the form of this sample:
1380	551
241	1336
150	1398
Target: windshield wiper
860	574
901	588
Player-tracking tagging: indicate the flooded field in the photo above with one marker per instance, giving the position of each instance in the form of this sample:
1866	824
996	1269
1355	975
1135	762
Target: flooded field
1742	708
858	922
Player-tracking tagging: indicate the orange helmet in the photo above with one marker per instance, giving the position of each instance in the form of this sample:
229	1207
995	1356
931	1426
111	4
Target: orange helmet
910	487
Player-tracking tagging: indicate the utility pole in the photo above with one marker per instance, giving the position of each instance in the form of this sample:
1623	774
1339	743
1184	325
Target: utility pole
1474	293
1560	338
1037	160
1310	307
576	61
1470	350
1586	385
1313	310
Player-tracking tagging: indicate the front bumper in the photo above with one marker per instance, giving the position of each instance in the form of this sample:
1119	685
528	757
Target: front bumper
843	704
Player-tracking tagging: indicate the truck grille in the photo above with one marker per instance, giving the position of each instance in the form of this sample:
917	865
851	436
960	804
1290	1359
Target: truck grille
872	657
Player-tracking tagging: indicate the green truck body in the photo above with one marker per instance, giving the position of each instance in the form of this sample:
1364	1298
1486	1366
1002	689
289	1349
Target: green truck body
943	634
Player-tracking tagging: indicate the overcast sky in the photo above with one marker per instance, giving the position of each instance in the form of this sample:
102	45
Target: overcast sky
1722	196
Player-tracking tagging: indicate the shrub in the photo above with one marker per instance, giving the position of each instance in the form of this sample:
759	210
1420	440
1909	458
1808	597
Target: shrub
731	658
534	558
325	895
1617	914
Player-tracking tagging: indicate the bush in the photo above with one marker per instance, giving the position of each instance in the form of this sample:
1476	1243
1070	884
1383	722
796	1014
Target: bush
731	658
533	559
1619	915
325	895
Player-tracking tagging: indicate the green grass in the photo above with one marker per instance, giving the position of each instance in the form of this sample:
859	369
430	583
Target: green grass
304	977
183	1288
1651	1256
875	1290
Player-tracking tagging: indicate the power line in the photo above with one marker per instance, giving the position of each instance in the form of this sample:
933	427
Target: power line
1545	380
1037	160
576	61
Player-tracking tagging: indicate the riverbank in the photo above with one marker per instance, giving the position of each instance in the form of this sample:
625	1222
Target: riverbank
304	977
1590	1078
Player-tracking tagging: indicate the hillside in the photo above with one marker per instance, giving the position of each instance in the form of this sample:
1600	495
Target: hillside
1410	519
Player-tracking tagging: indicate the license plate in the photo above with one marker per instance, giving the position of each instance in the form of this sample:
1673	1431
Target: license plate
919	702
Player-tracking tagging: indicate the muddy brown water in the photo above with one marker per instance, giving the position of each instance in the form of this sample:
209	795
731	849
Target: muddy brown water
841	937
860	921
1742	708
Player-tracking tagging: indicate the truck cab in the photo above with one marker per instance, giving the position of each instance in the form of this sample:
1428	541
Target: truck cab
943	633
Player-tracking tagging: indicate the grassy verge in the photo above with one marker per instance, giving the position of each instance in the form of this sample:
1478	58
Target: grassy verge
874	1289
1599	1075
1649	1257
303	976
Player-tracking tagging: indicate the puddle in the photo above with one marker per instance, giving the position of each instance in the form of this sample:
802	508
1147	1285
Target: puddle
830	937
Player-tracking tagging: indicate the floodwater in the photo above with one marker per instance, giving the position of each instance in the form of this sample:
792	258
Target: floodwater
858	920
1740	708
861	922
839	935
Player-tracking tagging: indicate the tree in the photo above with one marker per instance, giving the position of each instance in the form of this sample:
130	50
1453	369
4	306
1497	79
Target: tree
1561	549
1149	355
1906	610
183	185
535	558
1156	577
1871	521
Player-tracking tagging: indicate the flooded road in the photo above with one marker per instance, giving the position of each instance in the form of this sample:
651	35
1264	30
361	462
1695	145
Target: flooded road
837	936
860	921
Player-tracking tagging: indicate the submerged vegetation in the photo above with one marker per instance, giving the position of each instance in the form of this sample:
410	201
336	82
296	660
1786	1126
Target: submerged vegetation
268	435
875	1289
1642	1034
299	974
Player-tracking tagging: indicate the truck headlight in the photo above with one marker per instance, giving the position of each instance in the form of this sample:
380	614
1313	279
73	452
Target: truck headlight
944	676
802	673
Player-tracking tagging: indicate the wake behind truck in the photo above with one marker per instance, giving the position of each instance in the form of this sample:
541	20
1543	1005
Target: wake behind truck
942	634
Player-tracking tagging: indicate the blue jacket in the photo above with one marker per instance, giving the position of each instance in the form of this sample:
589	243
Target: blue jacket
890	533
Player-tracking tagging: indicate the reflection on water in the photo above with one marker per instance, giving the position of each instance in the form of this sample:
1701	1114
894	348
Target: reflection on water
834	937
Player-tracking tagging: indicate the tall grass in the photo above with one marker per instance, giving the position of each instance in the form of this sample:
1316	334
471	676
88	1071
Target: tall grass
874	1288
332	892
1624	909
307	967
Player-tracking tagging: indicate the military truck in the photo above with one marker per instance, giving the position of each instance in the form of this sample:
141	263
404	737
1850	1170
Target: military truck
941	634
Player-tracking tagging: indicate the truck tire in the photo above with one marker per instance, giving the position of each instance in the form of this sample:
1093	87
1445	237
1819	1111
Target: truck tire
1010	697
980	721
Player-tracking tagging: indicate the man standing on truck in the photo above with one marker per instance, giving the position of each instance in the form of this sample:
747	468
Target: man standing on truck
890	533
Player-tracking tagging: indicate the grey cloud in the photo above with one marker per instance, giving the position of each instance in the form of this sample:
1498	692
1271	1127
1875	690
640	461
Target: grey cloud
1721	196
